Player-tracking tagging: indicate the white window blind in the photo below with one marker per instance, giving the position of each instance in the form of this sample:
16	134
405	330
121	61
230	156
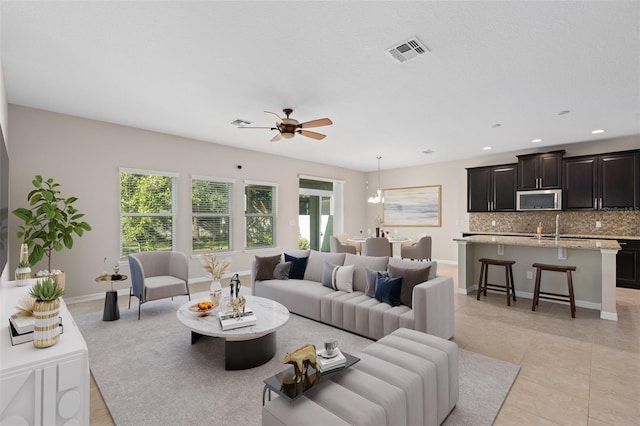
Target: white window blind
147	211
211	207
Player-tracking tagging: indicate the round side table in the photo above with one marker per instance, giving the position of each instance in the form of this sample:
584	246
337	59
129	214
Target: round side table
111	310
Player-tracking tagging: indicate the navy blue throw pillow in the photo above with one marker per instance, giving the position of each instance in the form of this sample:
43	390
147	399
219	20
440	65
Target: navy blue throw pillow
388	289
298	266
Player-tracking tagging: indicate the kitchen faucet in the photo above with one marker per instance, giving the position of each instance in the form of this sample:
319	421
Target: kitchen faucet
557	227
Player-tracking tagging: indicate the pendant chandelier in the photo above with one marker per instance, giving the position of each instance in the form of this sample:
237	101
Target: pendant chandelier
377	197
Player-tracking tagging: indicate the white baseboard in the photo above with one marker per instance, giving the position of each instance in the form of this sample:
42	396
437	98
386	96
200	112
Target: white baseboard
125	291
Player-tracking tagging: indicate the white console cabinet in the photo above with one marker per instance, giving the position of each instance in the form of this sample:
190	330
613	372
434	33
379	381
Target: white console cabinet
47	386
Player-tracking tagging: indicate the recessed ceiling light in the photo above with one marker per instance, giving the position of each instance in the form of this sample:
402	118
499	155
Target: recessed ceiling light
486	148
563	112
536	140
495	126
597	131
427	151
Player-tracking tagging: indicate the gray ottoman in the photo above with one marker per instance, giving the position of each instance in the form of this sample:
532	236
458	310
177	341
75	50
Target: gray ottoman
405	378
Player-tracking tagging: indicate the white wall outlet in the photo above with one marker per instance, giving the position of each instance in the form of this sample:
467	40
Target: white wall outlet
493	223
598	224
529	275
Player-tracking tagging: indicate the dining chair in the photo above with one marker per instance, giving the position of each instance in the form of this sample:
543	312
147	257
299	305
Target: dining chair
377	247
337	247
420	250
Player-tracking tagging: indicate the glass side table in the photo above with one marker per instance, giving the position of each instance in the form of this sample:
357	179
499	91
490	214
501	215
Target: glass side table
111	310
283	385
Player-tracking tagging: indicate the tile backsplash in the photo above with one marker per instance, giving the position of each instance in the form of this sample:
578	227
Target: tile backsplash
613	223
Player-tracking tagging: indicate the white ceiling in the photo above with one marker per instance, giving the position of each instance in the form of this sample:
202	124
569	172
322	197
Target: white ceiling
190	68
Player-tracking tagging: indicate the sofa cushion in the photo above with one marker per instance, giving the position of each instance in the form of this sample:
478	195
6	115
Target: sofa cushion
338	277
388	289
362	263
298	266
302	297
371	275
281	271
265	266
316	263
410	278
411	264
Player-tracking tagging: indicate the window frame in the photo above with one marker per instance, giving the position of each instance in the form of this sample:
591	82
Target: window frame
228	215
174	204
273	214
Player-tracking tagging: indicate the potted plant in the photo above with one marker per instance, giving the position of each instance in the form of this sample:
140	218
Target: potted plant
46	308
50	223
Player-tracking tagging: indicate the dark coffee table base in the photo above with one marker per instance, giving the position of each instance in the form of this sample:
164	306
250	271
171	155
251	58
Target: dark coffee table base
111	310
245	354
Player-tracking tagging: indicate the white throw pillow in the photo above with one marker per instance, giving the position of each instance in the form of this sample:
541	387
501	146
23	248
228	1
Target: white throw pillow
343	278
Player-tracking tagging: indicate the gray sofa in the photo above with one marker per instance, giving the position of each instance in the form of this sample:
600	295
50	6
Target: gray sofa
432	311
405	378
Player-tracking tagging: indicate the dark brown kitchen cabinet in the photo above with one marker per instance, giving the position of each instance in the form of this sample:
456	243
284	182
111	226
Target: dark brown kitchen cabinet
491	189
602	182
628	264
540	171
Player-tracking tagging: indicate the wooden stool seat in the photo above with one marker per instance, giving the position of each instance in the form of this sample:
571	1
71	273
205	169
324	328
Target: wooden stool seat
508	270
537	294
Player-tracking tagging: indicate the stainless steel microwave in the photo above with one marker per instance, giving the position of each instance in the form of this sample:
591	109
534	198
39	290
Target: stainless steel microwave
543	199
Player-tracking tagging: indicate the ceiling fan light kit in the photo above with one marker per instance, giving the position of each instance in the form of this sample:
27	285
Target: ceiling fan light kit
288	127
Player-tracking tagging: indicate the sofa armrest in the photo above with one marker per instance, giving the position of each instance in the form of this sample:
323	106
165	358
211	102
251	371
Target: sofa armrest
433	307
253	277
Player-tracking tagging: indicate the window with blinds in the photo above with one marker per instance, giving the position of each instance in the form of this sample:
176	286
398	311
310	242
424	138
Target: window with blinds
147	211
260	215
210	214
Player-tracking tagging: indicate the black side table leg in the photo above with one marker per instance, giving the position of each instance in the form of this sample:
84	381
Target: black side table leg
111	310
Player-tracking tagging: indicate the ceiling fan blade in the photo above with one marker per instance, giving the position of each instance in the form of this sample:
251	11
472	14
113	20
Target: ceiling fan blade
276	138
316	123
245	127
313	135
275	116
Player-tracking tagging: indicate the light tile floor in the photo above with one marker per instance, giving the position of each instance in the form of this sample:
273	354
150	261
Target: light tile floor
582	371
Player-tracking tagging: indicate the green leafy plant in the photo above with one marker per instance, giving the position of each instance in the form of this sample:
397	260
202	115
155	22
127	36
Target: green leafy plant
46	290
23	264
50	222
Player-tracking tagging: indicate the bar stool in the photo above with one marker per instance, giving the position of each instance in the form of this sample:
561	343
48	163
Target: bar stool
537	294
508	287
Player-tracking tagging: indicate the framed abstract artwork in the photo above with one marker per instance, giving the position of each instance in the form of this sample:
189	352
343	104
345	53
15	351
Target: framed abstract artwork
412	206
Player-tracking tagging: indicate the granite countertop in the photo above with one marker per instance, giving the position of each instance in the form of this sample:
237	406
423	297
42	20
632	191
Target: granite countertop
545	241
584	236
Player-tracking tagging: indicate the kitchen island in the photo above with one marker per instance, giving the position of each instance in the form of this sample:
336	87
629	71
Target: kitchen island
594	280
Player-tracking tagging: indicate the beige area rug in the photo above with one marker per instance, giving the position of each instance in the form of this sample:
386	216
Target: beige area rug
150	374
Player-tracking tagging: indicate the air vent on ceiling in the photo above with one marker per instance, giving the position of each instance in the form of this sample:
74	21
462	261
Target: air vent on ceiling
240	122
408	49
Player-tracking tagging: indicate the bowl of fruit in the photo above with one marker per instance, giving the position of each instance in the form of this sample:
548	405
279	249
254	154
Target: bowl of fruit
204	306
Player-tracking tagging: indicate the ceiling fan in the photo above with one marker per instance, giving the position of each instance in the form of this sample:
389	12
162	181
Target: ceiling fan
288	127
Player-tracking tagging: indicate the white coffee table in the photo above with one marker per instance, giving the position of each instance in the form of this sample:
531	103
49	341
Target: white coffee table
245	347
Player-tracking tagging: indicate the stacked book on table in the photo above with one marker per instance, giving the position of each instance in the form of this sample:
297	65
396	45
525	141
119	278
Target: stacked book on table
246	319
21	329
327	364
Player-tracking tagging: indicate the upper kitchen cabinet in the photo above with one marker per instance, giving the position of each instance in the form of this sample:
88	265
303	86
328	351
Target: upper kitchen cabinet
602	182
491	189
540	171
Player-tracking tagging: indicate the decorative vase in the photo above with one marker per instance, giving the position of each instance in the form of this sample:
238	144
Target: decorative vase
377	232
22	276
216	292
59	278
46	329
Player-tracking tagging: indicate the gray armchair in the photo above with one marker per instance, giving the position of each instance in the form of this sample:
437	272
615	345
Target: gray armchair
337	247
420	250
376	247
158	275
